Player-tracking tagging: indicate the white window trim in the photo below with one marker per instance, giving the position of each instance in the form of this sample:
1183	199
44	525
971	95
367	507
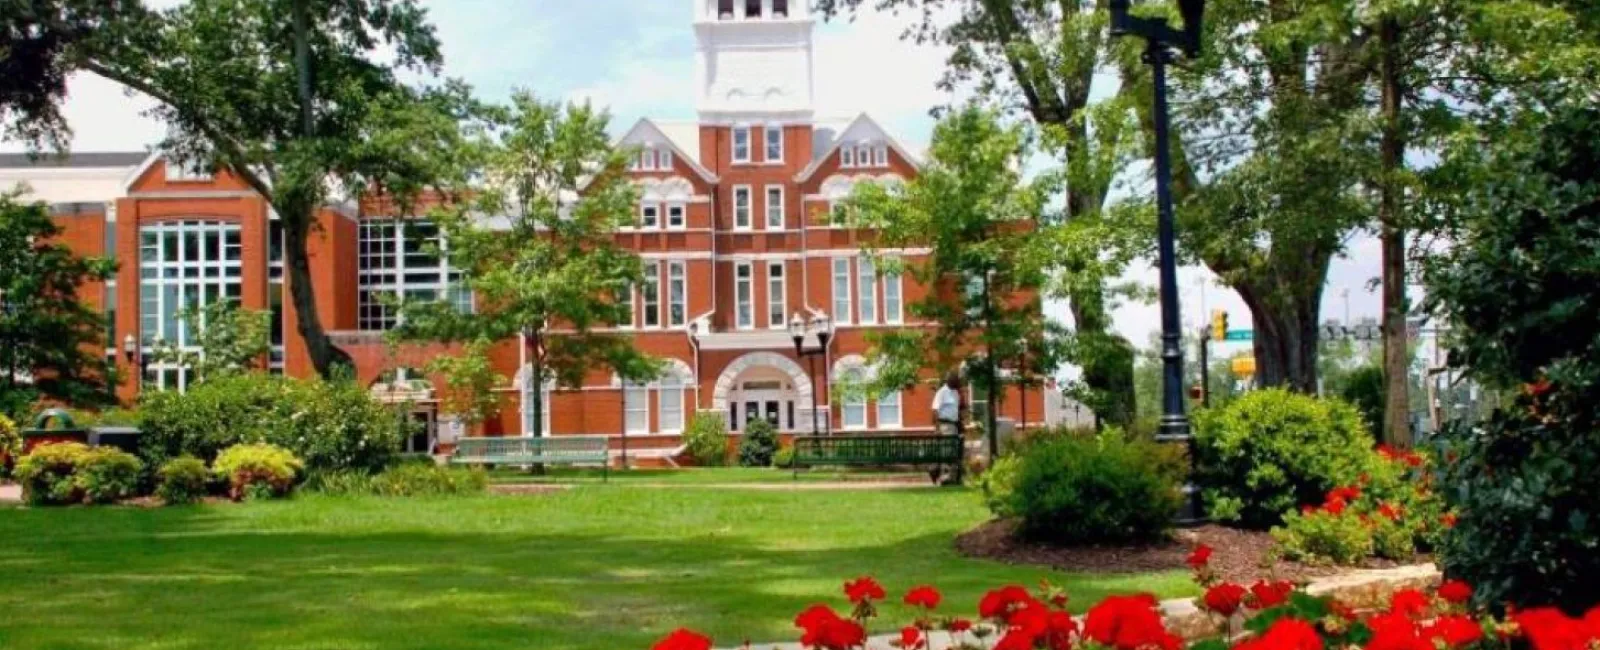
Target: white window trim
863	155
652	278
733	143
766	143
880	156
847	317
683	211
782	281
683	279
749	286
664	159
643	224
898	316
845	404
633	308
867	294
633	388
899	411
768	205
847	157
662	426
177	171
749	207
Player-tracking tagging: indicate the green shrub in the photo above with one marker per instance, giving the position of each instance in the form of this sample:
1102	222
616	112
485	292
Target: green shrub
759	443
182	480
46	474
1323	538
327	424
999	484
257	470
706	441
433	480
1394	540
1272	451
107	475
10	445
1109	488
784	458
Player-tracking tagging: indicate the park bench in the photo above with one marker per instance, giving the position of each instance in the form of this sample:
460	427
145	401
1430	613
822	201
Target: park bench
940	451
555	450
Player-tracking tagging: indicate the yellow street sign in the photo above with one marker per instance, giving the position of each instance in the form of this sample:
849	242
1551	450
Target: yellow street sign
1244	366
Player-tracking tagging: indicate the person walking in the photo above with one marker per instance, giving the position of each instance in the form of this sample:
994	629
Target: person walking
948	406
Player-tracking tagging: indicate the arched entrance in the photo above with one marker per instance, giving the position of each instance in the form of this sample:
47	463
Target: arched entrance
764	385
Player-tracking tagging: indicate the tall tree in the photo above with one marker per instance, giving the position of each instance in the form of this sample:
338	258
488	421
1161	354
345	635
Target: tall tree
971	208
294	108
36	38
50	342
1040	57
552	271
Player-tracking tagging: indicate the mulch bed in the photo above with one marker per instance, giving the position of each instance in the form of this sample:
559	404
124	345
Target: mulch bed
1237	556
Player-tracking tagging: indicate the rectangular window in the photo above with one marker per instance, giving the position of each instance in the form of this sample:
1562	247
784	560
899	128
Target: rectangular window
780	8
675	216
892	308
741	144
772	138
776	306
651	291
109	306
401	258
669	405
636	406
182	266
649	216
841	290
743	290
677	295
863	156
646	160
847	157
664	159
867	285
889	410
624	296
774	207
853	409
741	207
880	156
752	8
178	170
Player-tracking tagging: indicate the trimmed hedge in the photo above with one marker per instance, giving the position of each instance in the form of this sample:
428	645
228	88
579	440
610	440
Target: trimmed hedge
257	471
1089	490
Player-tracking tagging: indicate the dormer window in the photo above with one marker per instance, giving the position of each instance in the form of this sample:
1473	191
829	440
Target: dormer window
863	155
664	159
847	157
880	156
178	170
752	8
646	160
725	9
780	8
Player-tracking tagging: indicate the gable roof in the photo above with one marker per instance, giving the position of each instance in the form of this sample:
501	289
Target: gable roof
83	159
646	127
863	124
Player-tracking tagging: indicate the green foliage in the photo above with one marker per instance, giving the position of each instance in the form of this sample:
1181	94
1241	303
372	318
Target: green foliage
999	484
1364	389
1320	537
784	459
257	471
10	445
223	338
1104	489
758	444
46	474
107	475
51	335
1272	451
554	273
470	382
1520	291
706	440
328	424
184	479
1393	540
401	480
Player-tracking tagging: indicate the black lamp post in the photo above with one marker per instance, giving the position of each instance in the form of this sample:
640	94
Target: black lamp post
823	328
1161	40
134	356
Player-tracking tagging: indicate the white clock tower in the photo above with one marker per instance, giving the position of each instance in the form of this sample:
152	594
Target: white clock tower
754	60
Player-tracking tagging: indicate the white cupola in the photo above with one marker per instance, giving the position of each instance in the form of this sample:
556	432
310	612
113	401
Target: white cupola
753	60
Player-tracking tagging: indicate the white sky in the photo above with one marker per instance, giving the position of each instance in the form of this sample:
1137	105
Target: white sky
637	57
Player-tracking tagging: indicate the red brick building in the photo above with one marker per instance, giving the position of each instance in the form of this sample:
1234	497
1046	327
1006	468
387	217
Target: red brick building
733	229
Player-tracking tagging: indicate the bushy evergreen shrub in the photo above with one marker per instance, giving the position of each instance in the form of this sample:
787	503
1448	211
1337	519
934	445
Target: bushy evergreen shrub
1089	490
706	441
759	443
182	480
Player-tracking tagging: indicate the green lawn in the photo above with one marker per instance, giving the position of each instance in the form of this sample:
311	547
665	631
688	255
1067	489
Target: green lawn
596	567
697	475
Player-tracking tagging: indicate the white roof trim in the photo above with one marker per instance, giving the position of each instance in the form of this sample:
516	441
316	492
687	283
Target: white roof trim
646	123
816	163
149	161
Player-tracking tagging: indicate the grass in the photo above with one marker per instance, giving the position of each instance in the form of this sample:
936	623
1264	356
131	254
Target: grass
695	475
595	567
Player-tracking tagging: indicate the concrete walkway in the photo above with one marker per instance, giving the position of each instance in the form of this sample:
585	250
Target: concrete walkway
10	493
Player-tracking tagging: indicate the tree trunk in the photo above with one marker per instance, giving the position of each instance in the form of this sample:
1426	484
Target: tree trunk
1285	343
1396	359
325	356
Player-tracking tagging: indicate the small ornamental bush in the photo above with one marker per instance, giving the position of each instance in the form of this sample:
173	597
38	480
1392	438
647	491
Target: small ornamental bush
10	445
706	441
182	480
107	475
999	485
257	471
1323	537
47	474
784	458
1271	451
759	443
422	480
1105	489
1390	512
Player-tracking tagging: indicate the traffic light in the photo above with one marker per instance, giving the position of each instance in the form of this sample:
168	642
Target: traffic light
1219	325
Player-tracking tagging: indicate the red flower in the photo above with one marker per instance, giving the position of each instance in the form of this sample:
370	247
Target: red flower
1395	631
1059	630
1342	610
1548	628
1015	639
1347	493
1286	634
911	638
683	639
1129	623
999	603
959	625
824	629
1448	519
1409	603
1200	557
1454	630
863	589
1264	595
924	596
1334	507
1455	591
1389	511
1224	599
